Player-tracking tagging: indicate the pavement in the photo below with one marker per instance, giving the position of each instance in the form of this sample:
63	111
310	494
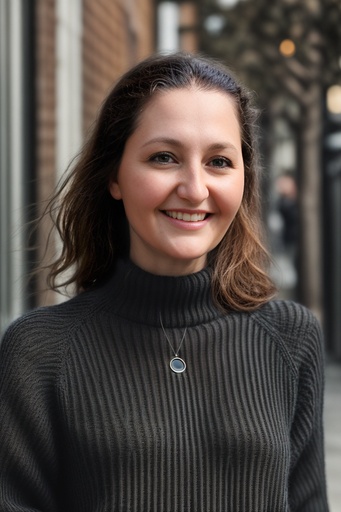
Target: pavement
332	426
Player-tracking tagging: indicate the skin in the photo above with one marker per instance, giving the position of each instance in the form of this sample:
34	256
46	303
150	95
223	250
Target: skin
181	179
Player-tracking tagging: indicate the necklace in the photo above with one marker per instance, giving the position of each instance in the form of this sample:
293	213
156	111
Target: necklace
176	364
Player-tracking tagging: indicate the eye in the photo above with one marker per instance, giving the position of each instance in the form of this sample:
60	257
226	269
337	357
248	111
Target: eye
162	158
220	162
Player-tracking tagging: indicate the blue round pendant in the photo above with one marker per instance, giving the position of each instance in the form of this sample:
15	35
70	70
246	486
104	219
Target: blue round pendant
178	365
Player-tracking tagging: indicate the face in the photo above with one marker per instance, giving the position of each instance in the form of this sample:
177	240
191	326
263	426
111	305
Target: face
181	179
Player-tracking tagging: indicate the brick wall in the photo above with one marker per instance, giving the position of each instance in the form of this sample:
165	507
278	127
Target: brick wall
45	127
117	33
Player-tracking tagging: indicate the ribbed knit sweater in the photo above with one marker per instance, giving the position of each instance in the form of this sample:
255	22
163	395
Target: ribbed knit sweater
94	420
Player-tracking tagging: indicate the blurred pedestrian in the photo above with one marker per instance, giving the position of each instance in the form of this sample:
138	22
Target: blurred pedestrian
287	206
173	381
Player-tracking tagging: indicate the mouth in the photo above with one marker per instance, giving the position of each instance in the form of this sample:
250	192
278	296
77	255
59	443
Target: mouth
185	216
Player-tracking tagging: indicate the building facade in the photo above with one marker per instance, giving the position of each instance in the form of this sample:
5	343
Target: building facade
58	60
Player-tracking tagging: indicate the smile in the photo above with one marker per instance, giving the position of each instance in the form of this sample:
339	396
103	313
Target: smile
187	217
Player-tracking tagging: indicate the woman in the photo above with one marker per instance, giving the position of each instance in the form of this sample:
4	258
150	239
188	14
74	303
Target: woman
172	381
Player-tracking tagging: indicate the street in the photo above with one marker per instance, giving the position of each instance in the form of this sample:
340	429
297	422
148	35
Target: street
332	416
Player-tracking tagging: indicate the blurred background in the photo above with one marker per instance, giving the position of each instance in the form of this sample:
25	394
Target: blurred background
58	60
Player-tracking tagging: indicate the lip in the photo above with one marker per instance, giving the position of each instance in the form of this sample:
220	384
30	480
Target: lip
175	217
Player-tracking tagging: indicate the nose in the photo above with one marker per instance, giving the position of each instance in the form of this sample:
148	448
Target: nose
193	185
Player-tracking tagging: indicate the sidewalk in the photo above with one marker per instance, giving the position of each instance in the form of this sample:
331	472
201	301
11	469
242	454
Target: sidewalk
332	417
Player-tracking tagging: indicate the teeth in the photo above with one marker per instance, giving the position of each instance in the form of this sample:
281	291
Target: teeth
195	217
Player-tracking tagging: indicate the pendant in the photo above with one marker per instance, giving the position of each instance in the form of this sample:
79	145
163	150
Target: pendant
178	365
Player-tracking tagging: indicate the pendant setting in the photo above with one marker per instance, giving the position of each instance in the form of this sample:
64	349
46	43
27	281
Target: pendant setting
177	365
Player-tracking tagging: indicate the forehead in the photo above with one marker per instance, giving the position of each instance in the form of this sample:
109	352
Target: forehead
177	102
190	117
207	92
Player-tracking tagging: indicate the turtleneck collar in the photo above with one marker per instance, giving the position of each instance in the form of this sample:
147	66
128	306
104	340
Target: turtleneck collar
142	297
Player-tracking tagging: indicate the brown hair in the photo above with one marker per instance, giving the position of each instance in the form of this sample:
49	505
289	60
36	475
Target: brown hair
93	226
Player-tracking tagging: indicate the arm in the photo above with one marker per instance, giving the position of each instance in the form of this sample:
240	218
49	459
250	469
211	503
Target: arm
28	450
307	485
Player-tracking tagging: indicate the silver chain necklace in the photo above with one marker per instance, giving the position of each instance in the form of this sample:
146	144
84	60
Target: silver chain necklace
176	364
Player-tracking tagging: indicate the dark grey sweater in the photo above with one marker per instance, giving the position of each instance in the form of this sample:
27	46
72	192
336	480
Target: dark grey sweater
94	420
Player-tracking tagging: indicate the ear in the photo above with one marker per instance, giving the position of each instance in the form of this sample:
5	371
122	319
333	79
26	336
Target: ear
115	190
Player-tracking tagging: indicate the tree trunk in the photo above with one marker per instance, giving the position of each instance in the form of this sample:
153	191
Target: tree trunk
310	182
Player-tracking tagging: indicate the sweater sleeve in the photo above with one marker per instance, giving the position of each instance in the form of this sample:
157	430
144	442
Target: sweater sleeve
307	485
28	448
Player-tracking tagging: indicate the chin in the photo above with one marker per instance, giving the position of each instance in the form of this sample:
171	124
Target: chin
194	263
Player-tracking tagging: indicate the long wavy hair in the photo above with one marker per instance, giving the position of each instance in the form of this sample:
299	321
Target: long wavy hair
93	226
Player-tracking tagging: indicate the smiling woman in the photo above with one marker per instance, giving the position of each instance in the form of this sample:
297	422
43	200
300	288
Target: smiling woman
186	162
94	241
173	381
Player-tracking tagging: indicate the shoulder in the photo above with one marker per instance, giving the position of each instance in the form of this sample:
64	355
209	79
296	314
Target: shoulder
286	316
295	329
45	332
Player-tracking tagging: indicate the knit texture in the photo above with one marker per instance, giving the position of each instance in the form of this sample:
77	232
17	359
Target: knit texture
94	420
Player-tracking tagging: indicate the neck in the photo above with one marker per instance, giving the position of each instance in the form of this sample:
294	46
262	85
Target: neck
180	300
171	267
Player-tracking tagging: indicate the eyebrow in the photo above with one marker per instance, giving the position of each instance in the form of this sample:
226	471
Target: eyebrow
177	143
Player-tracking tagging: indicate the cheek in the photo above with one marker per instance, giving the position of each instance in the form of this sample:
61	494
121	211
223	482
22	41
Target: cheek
149	193
233	196
140	198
